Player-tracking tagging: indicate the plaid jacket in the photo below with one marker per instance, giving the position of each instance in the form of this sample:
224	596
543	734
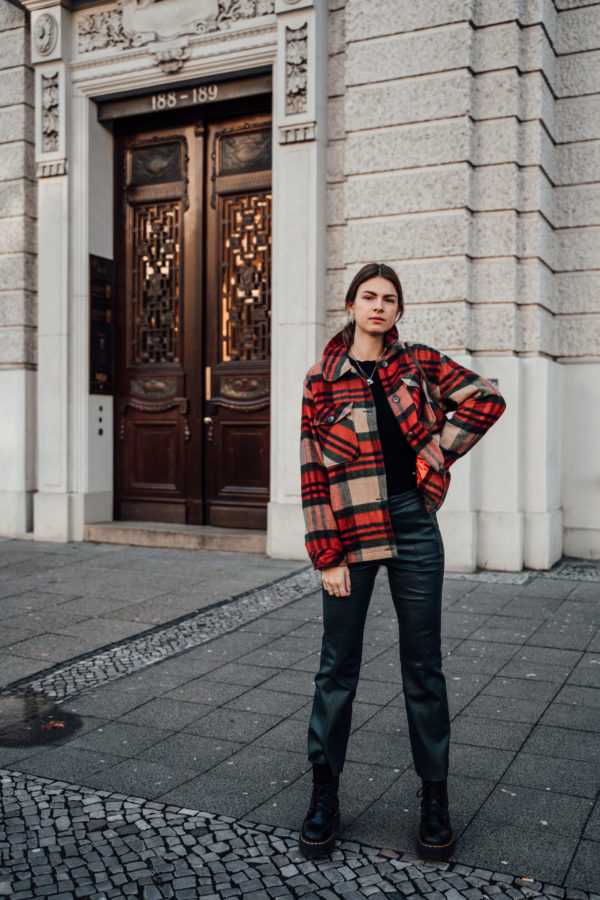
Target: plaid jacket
344	495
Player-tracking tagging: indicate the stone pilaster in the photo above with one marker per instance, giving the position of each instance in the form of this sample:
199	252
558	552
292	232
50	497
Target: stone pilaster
298	250
53	501
18	301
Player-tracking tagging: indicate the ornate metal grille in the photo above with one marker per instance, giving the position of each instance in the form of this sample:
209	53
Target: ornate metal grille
156	283
245	224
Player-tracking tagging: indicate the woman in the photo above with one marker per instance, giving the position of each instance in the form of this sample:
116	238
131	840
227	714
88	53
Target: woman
376	450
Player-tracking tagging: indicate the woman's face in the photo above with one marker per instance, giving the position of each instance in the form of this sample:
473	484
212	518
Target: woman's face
375	307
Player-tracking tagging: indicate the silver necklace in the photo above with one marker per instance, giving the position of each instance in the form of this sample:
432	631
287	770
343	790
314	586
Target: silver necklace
368	379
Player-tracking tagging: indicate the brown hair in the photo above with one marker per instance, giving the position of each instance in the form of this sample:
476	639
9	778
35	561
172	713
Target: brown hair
370	270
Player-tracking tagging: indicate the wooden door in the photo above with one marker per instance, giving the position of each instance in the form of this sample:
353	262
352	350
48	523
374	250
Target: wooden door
238	322
191	445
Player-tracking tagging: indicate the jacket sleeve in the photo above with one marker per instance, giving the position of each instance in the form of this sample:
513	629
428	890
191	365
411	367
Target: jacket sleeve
322	537
473	402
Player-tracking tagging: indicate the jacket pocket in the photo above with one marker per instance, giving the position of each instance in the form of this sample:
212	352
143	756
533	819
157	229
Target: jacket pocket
336	434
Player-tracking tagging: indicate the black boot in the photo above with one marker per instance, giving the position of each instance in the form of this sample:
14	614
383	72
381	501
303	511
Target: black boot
322	821
435	839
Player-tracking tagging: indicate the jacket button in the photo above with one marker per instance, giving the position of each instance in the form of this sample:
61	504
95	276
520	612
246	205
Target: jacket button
330	419
384	364
395	399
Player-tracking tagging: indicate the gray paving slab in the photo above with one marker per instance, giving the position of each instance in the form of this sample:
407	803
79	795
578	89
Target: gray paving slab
120	738
508	709
532	607
564	743
296	682
578	718
548	587
570	635
479	762
520	689
592	829
133	777
586	611
73	764
511	847
580	695
261	700
584	866
9	636
538	810
190	751
481	732
587	671
207	692
233	724
550	773
165	713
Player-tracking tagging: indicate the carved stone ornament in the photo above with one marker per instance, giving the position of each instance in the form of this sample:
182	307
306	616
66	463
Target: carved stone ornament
296	55
296	134
135	23
170	58
51	168
45	34
50	113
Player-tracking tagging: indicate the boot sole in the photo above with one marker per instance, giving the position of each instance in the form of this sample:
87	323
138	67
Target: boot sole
435	851
313	849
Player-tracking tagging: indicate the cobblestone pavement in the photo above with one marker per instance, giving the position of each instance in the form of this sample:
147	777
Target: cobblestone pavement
66	842
194	714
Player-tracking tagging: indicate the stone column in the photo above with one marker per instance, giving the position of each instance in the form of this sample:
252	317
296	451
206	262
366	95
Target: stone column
576	37
50	54
298	251
17	274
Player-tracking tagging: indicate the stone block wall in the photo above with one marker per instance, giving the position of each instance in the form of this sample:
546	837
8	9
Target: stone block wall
18	240
463	151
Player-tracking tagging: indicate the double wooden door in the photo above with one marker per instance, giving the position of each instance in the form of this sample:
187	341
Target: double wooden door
193	306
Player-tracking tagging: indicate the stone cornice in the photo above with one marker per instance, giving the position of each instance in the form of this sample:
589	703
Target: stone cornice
101	73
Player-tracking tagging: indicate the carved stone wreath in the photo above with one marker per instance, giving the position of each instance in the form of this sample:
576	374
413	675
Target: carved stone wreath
45	34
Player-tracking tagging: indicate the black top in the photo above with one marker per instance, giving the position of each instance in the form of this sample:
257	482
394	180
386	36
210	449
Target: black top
398	455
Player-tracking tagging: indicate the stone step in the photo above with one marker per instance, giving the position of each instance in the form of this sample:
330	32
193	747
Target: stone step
181	537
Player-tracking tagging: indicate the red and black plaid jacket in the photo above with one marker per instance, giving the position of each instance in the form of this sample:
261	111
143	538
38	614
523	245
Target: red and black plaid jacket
343	476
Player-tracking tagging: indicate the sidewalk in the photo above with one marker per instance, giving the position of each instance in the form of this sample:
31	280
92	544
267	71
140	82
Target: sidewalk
186	746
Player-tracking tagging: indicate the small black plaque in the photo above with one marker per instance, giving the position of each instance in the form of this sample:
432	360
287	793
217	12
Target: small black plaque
101	325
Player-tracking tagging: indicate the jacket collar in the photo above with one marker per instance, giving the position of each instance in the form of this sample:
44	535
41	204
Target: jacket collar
336	361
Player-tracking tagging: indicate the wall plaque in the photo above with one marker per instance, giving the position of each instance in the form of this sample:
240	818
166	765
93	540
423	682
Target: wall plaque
101	324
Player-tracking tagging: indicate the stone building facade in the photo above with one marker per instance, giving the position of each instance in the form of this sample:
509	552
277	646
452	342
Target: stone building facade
458	140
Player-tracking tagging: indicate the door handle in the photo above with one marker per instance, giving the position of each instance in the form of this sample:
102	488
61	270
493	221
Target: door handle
209	422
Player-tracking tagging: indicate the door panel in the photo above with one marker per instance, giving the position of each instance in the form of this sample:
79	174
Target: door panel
239	322
193	327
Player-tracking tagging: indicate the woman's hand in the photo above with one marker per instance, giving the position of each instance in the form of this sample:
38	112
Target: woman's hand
336	581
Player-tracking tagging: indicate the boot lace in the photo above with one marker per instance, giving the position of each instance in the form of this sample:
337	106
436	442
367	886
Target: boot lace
434	800
323	799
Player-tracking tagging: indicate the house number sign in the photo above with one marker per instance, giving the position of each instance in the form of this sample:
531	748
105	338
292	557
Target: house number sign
206	93
173	97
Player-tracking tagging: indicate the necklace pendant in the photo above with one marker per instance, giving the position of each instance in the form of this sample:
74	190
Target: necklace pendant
369	381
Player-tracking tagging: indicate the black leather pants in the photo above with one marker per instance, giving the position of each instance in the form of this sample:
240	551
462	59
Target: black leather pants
415	578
